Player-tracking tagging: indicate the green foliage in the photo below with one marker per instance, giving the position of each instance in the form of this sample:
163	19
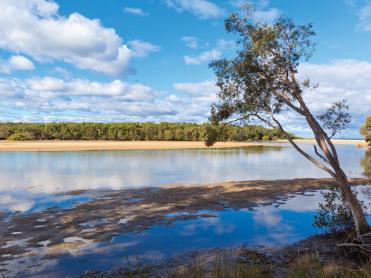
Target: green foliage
333	214
133	131
366	130
24	136
366	163
336	118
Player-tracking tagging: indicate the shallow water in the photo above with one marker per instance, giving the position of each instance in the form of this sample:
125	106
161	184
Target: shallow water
29	177
35	181
274	225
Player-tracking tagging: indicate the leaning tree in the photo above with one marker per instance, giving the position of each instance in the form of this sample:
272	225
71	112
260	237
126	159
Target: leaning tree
261	81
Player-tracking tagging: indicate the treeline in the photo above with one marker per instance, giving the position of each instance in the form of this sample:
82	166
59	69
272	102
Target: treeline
131	131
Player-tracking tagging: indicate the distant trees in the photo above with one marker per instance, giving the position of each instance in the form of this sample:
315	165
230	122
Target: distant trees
366	130
132	131
261	81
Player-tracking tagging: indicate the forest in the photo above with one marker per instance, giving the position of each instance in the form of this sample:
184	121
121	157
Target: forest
132	131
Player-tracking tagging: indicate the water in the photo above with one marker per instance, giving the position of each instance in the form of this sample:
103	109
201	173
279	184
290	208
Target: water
35	181
275	225
28	177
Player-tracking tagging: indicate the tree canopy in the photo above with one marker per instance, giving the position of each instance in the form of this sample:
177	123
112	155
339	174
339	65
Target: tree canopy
366	130
132	131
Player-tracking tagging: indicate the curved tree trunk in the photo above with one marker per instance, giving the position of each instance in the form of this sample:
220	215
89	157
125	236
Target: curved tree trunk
328	149
360	221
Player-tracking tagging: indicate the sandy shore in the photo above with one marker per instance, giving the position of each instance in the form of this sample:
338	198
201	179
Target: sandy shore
137	145
359	143
113	145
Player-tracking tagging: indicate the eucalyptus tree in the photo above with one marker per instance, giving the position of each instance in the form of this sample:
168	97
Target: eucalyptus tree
261	81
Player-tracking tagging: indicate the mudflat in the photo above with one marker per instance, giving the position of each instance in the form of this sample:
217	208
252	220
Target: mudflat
54	145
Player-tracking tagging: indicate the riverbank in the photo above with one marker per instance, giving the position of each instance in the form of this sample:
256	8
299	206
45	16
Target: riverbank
48	145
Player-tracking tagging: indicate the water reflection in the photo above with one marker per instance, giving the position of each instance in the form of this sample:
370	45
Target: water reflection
274	225
366	163
228	228
29	177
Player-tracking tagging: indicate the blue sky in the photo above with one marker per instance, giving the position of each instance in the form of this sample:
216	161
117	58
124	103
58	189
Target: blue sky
130	60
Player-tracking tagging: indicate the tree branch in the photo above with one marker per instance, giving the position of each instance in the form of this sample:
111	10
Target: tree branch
317	153
306	155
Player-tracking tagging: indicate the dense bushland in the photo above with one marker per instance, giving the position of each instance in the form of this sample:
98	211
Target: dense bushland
132	131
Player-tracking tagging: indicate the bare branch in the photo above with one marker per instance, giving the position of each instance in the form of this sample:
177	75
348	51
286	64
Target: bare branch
320	155
301	151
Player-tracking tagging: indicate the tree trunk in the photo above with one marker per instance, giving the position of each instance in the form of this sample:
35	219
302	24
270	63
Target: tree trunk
355	207
358	215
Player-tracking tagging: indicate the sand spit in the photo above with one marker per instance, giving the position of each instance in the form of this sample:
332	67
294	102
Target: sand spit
139	145
113	145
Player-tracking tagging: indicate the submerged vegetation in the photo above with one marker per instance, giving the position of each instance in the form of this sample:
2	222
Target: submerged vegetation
132	131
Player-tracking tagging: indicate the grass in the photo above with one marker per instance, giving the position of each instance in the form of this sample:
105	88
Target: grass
307	266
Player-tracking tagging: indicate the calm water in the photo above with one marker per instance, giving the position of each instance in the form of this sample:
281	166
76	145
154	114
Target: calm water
33	181
273	225
30	179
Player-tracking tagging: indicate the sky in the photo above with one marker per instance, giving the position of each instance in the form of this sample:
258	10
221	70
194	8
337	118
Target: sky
147	60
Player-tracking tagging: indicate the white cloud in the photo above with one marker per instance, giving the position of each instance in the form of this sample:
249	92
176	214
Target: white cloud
266	16
35	28
80	87
52	98
203	9
196	89
364	18
261	11
191	42
14	63
135	11
203	57
141	48
210	55
342	79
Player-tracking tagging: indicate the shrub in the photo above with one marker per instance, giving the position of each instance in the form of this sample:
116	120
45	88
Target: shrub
24	136
333	214
267	138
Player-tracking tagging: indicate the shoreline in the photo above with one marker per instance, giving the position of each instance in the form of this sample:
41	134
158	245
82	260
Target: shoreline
56	145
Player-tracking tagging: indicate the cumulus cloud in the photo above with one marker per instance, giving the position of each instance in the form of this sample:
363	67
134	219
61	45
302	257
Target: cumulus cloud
14	63
342	79
191	42
35	28
50	98
135	11
203	9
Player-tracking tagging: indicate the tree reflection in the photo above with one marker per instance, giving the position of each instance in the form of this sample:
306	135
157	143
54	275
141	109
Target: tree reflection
366	163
